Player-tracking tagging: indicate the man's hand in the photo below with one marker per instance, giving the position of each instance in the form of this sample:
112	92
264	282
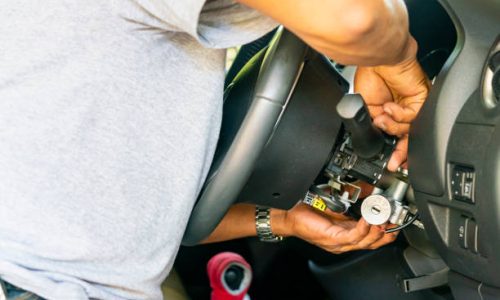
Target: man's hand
333	232
394	95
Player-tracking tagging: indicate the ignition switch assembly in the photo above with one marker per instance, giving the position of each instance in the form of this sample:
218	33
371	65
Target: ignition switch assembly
362	153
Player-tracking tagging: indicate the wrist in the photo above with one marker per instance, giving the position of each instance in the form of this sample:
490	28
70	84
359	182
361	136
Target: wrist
279	222
407	64
407	54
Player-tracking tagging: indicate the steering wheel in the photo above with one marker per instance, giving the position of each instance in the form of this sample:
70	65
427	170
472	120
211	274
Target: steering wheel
278	74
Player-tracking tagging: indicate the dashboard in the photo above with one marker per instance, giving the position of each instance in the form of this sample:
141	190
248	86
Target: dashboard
454	153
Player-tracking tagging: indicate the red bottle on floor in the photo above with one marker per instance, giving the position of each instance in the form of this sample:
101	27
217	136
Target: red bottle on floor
230	276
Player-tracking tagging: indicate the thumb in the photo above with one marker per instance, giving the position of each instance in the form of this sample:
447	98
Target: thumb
372	87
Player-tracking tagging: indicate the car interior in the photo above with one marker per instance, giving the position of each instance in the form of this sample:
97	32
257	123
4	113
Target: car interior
292	129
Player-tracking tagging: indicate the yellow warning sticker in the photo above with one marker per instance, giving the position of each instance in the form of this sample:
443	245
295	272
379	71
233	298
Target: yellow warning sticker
318	203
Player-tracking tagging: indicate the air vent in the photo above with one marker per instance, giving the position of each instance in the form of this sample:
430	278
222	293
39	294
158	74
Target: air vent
491	79
494	66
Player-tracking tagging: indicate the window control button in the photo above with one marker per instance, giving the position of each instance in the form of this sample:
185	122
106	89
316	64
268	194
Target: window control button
471	235
462	183
481	244
462	232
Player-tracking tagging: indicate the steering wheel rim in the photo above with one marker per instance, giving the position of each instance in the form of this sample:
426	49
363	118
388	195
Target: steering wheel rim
279	72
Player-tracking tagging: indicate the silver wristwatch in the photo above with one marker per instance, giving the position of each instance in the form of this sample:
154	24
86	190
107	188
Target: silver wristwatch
263	225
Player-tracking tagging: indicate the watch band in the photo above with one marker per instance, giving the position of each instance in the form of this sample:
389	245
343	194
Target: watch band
263	225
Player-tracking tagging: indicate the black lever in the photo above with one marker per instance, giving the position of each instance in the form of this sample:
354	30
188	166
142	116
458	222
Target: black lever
367	140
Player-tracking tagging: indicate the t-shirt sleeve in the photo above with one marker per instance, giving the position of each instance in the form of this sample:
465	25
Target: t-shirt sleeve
214	23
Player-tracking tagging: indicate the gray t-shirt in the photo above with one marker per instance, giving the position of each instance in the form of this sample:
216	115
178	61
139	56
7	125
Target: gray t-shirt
109	116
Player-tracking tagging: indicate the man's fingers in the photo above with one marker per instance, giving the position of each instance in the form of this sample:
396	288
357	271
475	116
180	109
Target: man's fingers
373	236
388	125
397	159
402	114
400	154
363	236
377	240
375	110
386	239
371	86
359	232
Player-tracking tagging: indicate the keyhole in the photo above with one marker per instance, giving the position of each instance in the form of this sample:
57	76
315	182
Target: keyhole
375	210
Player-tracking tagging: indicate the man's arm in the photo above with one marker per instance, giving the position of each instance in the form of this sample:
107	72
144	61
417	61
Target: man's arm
354	32
332	232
